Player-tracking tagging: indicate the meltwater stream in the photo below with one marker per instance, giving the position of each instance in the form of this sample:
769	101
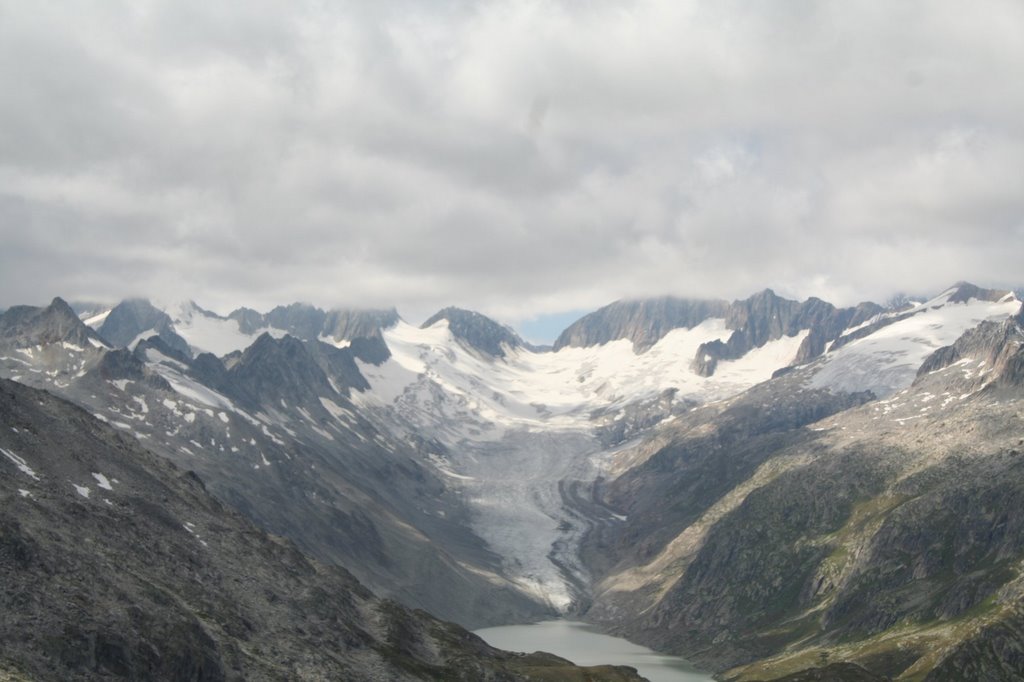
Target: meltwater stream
584	645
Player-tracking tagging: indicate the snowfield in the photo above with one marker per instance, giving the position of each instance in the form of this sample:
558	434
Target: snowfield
888	360
217	335
433	380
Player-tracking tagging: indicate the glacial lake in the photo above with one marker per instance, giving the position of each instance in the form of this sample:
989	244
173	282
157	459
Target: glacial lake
584	644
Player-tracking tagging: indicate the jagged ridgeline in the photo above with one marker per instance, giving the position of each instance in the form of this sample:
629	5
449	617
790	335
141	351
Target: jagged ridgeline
765	486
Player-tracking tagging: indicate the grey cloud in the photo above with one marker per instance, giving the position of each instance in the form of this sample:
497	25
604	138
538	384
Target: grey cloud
520	158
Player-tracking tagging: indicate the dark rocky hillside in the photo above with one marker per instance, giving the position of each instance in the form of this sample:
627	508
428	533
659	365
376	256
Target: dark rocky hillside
273	433
118	565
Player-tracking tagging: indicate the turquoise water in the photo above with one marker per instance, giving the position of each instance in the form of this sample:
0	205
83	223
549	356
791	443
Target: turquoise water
585	645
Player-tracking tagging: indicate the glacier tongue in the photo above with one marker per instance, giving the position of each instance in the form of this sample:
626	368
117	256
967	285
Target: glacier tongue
521	432
514	486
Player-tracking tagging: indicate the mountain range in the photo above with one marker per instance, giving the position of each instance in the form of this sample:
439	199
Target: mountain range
763	486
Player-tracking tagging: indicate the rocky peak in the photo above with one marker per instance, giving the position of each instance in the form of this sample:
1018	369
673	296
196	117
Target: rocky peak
249	321
476	330
766	317
763	316
341	324
965	291
307	322
298	319
644	322
186	310
23	326
275	369
134	317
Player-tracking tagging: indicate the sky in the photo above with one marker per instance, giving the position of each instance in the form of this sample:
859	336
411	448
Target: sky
522	158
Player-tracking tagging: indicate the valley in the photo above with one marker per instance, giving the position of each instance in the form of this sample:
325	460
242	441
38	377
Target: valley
762	486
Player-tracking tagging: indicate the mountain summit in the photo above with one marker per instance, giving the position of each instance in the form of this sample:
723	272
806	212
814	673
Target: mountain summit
478	331
23	326
644	322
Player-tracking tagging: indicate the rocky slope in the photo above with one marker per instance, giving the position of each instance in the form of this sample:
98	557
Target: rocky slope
766	535
117	565
273	432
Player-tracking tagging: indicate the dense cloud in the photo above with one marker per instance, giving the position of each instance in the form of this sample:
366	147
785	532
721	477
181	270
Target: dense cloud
515	157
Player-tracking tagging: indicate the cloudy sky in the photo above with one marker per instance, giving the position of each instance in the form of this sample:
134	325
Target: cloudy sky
521	158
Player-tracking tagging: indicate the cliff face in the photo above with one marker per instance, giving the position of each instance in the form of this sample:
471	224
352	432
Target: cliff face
643	322
766	317
309	322
753	322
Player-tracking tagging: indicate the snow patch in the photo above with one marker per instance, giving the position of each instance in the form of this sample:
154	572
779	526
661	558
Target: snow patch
157	358
102	481
20	462
96	321
343	343
142	336
217	335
